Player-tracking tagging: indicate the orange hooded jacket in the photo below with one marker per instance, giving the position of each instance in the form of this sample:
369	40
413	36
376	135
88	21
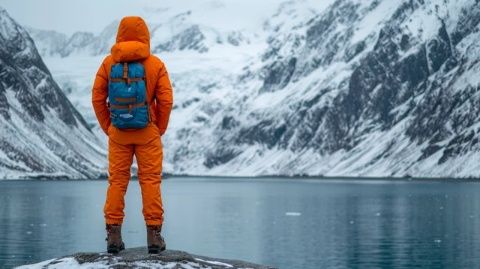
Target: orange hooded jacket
133	44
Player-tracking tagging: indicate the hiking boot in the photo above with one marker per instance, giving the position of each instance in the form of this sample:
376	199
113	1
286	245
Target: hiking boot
155	241
114	238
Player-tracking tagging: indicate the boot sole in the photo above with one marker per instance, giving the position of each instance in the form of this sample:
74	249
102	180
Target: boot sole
114	249
155	249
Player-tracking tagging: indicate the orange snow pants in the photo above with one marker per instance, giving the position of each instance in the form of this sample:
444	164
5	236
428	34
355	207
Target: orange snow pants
149	156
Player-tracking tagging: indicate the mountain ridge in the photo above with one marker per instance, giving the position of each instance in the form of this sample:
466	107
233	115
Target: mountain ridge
347	88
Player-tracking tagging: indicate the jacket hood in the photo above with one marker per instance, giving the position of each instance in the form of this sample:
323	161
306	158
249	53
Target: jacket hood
133	40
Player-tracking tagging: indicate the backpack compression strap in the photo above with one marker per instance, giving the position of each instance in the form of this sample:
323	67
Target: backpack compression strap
125	77
129	106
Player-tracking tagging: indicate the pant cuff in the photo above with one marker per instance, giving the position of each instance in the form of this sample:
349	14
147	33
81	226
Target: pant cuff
114	222
154	222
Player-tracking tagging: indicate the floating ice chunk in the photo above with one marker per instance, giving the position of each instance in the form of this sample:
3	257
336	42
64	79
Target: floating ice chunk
293	214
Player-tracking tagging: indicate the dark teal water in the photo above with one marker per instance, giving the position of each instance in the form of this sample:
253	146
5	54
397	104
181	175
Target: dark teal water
285	223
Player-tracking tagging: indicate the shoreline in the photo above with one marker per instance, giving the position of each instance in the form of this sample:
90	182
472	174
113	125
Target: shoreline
272	177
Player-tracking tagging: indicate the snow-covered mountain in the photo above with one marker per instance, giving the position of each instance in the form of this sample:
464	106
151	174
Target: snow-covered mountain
380	88
334	88
369	88
42	134
170	31
51	43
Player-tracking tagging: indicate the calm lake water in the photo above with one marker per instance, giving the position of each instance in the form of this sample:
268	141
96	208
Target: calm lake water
285	223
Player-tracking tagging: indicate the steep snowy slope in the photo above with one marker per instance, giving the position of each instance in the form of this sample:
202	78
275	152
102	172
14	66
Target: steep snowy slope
42	134
336	88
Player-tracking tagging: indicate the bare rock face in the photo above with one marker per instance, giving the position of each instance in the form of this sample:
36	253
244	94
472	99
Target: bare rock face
138	258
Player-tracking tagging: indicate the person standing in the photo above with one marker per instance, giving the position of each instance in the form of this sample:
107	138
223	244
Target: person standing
132	98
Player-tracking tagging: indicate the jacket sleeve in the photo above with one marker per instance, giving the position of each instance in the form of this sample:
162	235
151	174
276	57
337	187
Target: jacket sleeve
164	97
99	98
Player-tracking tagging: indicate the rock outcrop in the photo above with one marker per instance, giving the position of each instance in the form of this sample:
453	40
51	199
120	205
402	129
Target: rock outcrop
138	258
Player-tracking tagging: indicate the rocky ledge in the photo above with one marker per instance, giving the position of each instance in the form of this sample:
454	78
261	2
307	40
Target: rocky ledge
138	258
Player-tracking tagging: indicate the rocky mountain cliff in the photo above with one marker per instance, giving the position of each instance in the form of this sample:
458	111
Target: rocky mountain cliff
42	134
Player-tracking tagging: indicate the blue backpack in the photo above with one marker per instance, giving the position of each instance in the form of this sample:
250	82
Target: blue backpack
127	96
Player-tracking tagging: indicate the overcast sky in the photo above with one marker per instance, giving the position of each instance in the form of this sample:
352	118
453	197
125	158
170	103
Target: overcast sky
93	15
69	16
